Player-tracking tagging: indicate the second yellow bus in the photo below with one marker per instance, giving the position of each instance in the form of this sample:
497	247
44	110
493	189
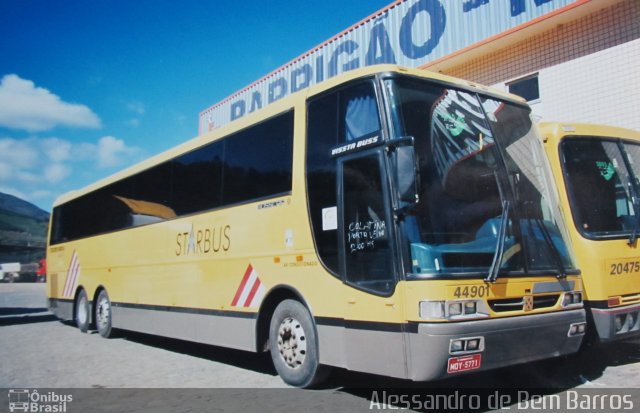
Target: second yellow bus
597	168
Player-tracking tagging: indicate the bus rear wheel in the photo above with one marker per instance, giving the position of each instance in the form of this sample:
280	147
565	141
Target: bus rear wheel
103	315
294	346
82	314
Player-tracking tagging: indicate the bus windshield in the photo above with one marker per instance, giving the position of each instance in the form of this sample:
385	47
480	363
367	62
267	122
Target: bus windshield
601	177
485	203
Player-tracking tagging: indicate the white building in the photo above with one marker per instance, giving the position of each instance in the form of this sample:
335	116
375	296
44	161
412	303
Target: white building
573	60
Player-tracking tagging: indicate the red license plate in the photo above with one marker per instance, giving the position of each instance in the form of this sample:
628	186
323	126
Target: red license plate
464	363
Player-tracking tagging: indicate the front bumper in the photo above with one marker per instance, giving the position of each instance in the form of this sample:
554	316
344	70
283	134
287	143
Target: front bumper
507	341
628	324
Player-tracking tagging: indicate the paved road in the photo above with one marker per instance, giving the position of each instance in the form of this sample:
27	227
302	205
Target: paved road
38	351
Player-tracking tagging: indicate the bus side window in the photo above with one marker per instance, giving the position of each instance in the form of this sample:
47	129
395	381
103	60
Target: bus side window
366	237
339	116
361	114
598	199
592	182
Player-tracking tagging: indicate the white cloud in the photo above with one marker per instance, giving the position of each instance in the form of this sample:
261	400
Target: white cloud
56	172
56	150
6	172
85	150
139	109
136	107
112	151
25	106
27	177
41	194
18	152
36	169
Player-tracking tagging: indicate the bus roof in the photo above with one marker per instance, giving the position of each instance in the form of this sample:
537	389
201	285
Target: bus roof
555	131
276	107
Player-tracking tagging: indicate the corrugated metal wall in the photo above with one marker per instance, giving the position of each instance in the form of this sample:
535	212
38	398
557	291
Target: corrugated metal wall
409	33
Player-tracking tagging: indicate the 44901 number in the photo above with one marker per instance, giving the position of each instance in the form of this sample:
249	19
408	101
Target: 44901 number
473	291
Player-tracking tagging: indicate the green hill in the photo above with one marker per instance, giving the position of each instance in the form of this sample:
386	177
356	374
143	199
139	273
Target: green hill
23	230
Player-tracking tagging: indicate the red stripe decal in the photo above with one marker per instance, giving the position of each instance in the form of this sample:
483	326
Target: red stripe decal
72	275
247	274
254	288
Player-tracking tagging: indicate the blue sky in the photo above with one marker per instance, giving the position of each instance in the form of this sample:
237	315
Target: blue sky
90	87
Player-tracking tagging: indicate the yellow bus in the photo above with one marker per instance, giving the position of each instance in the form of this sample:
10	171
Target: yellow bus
388	220
597	169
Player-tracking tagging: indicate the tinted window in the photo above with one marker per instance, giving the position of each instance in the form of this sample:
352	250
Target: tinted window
197	179
153	185
322	135
97	212
367	256
600	186
248	165
481	170
258	161
342	116
526	88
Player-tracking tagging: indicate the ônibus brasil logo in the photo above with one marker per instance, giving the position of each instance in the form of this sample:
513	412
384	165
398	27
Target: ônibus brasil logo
26	400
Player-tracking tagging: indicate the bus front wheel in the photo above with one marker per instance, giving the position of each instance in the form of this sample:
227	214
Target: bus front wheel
294	346
82	311
103	315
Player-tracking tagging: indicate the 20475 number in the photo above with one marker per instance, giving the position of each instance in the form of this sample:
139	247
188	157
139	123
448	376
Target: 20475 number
619	268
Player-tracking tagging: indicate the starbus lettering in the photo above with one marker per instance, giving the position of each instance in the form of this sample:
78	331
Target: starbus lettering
203	241
349	54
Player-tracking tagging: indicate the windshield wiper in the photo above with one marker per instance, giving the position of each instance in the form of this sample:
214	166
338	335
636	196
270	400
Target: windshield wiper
492	276
634	235
562	273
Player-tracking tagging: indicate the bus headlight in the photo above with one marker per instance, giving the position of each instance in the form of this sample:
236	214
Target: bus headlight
470	307
572	298
432	309
457	346
466	345
626	322
577	329
453	310
473	344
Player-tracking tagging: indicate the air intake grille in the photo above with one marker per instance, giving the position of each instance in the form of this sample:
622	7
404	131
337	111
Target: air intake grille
518	303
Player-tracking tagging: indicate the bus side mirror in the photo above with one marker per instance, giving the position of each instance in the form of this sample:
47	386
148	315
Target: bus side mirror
406	169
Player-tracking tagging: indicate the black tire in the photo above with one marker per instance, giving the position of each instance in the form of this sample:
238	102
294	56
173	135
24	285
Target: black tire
82	312
103	315
294	346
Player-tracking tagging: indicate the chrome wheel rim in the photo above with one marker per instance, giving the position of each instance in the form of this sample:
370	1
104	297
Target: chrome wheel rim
81	311
103	313
292	342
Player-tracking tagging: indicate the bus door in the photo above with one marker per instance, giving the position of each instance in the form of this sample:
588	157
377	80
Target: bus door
346	180
366	257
